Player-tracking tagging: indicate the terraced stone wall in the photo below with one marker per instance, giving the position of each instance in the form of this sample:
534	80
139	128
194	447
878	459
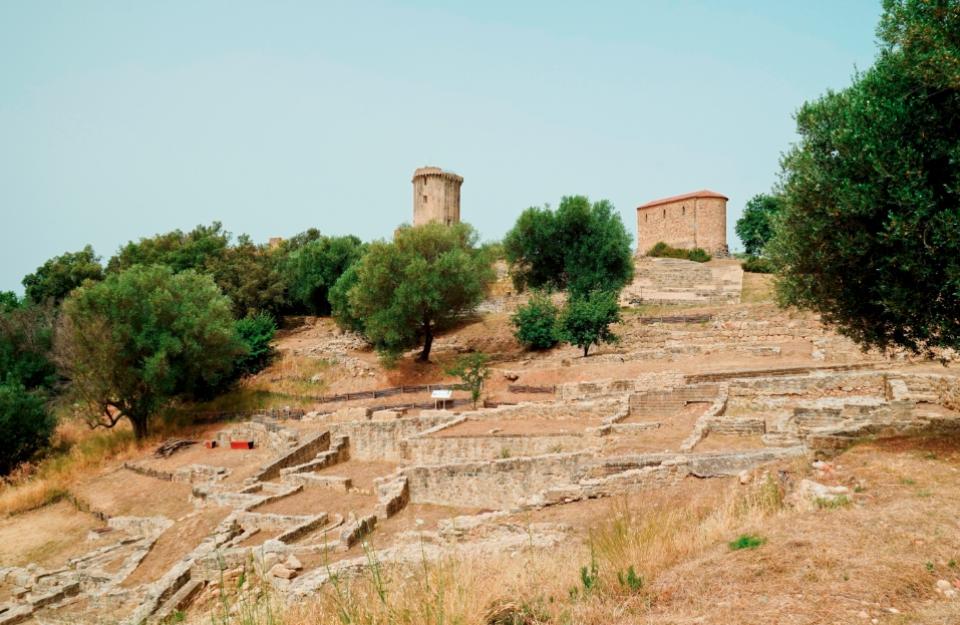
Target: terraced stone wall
501	484
385	440
436	450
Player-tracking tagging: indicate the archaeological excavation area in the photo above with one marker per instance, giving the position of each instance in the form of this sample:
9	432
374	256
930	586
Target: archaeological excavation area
698	396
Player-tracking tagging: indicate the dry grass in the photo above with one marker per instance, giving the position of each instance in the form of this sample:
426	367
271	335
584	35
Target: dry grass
294	375
757	288
77	452
665	558
582	582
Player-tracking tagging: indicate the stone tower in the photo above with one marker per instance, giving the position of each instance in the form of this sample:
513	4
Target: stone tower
697	219
436	196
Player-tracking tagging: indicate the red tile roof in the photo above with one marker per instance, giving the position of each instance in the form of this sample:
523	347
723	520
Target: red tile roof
702	193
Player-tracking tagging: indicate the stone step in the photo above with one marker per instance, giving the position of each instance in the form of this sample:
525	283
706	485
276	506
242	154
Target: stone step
179	600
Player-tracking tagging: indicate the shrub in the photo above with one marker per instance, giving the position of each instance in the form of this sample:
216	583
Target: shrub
698	255
256	332
755	264
536	322
746	541
472	369
586	320
26	425
662	250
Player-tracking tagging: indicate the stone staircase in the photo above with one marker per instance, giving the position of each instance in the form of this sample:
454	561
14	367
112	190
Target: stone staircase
677	281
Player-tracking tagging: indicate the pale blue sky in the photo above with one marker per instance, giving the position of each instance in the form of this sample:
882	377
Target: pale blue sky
123	119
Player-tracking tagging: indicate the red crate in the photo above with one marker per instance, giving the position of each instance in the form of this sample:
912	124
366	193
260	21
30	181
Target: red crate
241	444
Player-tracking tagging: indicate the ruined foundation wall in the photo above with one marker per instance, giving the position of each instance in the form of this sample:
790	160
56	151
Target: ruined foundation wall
385	440
500	484
436	450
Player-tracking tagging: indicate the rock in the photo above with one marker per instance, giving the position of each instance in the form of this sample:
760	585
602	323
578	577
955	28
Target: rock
512	377
942	585
821	465
863	614
293	563
269	560
494	430
316	378
744	477
565	362
279	570
809	494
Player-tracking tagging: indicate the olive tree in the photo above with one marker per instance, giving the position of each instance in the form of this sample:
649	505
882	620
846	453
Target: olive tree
142	337
403	292
869	234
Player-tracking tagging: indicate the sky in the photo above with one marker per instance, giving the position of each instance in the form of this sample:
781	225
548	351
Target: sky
120	120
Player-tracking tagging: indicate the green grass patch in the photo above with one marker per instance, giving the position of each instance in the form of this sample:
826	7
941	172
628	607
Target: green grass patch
833	503
746	541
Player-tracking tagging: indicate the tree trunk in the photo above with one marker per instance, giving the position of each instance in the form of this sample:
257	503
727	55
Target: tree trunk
427	343
586	348
140	429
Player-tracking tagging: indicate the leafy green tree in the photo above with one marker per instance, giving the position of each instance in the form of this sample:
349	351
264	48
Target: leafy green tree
313	268
256	333
26	340
340	300
250	276
580	248
536	322
25	422
197	249
870	231
58	276
9	301
473	370
247	273
299	240
755	226
409	289
586	320
130	344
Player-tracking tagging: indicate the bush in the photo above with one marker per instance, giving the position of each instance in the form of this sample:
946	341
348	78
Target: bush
536	322
755	264
746	541
26	425
698	255
586	320
662	250
256	332
473	370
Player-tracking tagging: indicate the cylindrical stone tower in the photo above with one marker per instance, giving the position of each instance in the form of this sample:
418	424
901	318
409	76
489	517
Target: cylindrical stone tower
436	196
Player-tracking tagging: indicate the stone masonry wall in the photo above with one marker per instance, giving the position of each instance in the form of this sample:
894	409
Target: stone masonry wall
385	440
663	403
685	223
436	450
501	484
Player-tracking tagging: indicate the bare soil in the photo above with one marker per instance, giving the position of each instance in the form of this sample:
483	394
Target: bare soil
313	500
362	473
517	427
49	536
121	492
177	541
